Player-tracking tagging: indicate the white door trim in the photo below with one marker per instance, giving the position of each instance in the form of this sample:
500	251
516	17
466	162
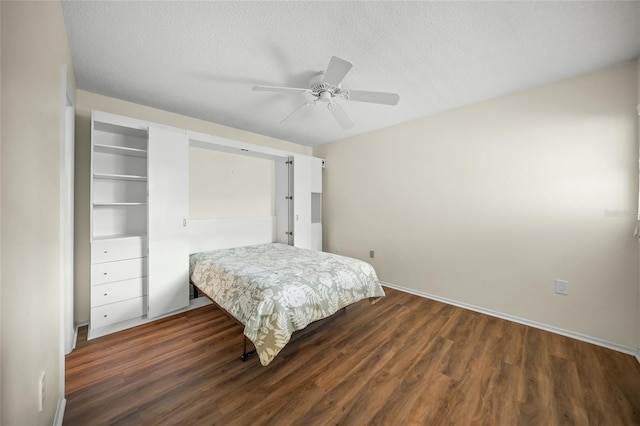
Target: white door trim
67	146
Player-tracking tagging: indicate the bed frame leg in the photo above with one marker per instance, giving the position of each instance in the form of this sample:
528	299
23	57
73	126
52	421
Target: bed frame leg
246	355
195	291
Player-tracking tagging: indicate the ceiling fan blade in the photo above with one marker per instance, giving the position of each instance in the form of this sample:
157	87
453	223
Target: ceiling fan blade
336	71
280	89
302	107
340	115
373	97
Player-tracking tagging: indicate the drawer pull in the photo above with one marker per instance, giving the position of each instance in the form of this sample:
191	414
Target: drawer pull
106	251
104	273
106	294
105	315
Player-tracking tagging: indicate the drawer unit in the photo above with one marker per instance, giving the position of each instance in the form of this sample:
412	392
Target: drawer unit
118	249
102	273
112	313
120	290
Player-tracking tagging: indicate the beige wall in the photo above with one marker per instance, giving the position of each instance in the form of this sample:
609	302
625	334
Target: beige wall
34	46
223	185
488	204
85	102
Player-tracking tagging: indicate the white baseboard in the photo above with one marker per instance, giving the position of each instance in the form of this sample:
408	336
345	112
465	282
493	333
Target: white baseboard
75	333
578	336
75	336
59	417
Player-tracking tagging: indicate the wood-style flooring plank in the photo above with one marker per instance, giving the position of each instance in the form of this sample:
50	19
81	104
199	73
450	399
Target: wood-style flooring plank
405	360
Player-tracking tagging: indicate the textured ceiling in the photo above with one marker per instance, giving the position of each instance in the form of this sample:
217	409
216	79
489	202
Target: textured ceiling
201	59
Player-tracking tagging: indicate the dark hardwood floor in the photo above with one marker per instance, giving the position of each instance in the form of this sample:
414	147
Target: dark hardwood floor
406	360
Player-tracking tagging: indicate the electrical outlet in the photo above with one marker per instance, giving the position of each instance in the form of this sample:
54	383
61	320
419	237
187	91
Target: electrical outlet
41	392
562	287
372	254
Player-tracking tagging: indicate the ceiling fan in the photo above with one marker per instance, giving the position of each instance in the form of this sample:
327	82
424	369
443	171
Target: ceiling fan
325	86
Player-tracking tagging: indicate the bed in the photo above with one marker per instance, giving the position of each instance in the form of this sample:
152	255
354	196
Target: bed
275	289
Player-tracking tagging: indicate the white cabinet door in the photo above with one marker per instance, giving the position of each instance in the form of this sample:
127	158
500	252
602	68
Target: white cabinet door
168	274
302	201
307	202
315	174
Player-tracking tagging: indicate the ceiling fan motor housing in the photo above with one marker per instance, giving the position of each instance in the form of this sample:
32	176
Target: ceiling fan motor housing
321	89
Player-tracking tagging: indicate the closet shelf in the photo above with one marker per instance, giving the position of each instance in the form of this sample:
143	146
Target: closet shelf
117	236
101	204
120	150
119	177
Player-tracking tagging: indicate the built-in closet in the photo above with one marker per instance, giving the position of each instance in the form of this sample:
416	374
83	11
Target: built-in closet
140	240
139	212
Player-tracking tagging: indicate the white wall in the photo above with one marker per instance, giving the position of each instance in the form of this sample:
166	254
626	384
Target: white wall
85	102
34	46
489	204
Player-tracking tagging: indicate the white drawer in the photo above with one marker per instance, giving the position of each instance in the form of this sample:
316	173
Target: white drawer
118	249
102	273
112	313
121	290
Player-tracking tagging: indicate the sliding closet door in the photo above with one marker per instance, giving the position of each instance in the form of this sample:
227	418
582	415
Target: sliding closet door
168	274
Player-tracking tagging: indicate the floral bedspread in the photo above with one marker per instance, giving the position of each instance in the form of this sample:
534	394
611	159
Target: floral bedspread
276	289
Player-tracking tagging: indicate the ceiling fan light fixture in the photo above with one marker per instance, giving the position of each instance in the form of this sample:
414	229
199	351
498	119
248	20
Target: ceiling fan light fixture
325	96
